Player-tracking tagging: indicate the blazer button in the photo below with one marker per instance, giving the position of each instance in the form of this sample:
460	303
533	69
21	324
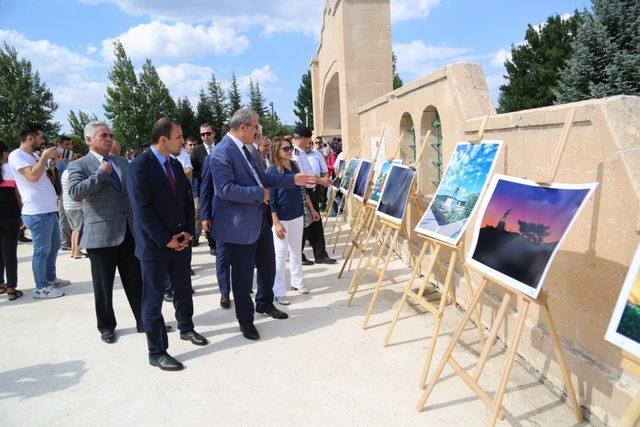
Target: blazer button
179	225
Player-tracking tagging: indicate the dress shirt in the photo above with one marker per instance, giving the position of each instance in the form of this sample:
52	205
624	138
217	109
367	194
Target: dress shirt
208	148
301	158
113	164
161	159
240	146
184	158
321	162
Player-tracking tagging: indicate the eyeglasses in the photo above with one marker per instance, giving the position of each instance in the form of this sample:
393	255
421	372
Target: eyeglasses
206	133
286	148
105	135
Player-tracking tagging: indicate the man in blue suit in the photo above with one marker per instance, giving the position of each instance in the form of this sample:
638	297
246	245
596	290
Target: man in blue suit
241	219
223	273
164	222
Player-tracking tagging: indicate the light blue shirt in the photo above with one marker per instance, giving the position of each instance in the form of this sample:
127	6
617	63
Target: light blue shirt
161	160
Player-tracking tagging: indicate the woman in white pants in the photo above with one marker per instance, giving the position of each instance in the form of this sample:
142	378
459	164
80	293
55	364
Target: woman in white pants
287	213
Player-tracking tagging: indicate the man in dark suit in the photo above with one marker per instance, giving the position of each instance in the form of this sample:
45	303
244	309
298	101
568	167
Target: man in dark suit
241	221
208	135
162	204
99	181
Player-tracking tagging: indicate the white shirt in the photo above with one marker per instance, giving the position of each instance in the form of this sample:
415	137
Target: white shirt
68	203
114	166
37	197
184	158
302	159
209	148
240	146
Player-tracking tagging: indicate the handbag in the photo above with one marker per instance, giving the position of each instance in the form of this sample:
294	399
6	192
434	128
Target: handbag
307	218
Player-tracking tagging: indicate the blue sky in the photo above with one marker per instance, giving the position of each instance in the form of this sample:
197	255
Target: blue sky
68	41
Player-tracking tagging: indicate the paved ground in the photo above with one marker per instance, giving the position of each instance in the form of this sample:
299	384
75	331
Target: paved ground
317	367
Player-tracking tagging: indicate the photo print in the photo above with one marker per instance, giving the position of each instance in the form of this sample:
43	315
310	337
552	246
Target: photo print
347	179
380	179
393	201
362	180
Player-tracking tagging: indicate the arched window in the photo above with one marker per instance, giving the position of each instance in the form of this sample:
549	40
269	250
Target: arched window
432	162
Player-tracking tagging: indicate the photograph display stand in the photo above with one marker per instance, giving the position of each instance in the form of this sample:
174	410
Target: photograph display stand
421	297
335	192
631	416
386	240
494	403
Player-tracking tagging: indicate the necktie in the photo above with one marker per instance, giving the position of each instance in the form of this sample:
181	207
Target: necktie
170	177
114	175
253	164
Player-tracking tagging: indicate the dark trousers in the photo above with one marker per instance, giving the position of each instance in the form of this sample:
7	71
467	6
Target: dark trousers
210	240
9	229
103	271
223	269
242	259
314	233
175	265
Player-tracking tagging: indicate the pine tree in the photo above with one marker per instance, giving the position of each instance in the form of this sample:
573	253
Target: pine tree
534	67
123	105
203	110
23	98
217	101
187	119
77	124
304	102
155	97
235	100
606	59
256	99
397	80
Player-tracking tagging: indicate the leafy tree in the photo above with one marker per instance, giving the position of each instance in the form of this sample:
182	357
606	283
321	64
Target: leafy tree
397	80
123	105
534	67
155	99
77	124
472	199
534	233
217	103
256	99
606	59
304	102
187	119
234	97
23	98
203	110
272	126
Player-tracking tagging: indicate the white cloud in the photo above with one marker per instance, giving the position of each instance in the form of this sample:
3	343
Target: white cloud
419	58
185	80
160	40
403	10
500	57
264	75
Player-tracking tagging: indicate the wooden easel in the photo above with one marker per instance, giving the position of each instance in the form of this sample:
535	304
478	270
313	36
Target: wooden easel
631	416
524	302
421	299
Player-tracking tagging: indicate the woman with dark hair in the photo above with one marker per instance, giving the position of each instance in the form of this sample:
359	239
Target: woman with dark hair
9	227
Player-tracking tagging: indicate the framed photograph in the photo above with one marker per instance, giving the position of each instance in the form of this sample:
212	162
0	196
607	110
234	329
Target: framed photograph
362	180
624	327
379	178
348	177
393	200
464	181
520	227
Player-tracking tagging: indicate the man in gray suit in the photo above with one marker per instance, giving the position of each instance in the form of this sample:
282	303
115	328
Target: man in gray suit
99	181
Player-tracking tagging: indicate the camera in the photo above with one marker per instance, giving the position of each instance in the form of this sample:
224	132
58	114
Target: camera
65	154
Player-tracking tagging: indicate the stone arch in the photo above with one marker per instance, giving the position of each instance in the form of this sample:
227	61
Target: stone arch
331	116
408	141
432	161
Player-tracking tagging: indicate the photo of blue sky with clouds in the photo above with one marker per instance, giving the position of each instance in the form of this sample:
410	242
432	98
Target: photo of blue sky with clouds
70	41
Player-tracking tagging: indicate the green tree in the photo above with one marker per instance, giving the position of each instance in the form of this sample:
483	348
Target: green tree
256	99
203	110
217	101
234	97
123	105
187	118
155	98
606	58
397	80
534	67
304	102
23	98
272	126
77	124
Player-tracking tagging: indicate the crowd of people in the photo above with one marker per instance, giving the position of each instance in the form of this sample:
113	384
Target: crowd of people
258	201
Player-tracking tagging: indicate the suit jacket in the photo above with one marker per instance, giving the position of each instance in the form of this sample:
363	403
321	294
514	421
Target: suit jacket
237	208
257	157
106	210
206	191
158	213
197	161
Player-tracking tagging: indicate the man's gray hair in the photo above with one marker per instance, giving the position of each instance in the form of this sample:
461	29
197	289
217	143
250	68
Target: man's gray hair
91	128
242	116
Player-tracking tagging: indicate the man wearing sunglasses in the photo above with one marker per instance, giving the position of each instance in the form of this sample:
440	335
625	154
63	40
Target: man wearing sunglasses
207	134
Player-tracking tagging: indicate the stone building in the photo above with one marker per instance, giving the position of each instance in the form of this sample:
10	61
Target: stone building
353	97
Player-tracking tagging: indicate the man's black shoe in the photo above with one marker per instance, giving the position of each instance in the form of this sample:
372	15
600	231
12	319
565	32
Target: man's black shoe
191	272
212	251
194	337
195	243
225	301
24	239
65	247
249	331
272	311
306	261
165	362
108	336
325	260
168	296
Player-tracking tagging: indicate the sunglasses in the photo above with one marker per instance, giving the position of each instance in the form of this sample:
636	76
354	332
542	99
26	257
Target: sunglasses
206	133
287	148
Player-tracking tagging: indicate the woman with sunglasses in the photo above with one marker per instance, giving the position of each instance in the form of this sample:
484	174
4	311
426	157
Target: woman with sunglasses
287	212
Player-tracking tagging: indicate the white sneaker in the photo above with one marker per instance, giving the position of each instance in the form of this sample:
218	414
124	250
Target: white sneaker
282	300
47	293
301	288
60	283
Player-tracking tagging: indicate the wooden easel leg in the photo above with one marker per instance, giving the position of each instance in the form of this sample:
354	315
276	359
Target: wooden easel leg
381	277
447	354
332	199
356	241
511	357
358	277
414	274
337	221
632	414
467	281
493	335
363	252
563	363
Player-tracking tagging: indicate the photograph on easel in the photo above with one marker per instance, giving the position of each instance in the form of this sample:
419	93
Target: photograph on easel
521	225
347	179
456	198
393	201
624	327
380	179
362	180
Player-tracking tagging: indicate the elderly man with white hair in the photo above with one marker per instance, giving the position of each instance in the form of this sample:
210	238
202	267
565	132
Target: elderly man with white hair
99	180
